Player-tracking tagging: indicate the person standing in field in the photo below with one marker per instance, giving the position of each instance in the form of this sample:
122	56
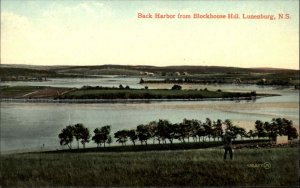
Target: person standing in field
227	140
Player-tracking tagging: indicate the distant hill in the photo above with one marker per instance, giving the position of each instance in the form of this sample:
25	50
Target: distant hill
54	71
189	69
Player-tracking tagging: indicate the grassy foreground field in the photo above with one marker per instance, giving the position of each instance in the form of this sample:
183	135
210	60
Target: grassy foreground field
250	167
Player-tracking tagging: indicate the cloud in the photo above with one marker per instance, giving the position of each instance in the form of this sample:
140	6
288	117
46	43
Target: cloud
96	33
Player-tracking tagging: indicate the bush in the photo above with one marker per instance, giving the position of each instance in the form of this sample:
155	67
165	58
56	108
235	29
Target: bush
176	87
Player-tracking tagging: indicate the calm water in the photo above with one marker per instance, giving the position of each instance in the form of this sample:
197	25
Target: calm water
26	126
109	81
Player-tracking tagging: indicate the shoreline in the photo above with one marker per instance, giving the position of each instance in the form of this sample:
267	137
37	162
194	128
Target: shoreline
40	100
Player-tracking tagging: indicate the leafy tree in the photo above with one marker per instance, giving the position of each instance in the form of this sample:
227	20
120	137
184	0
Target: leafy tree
195	127
152	127
143	133
122	136
271	130
176	87
161	130
208	128
81	133
241	131
217	130
187	128
286	128
66	136
259	128
201	131
97	137
109	140
233	130
105	130
165	130
85	136
101	135
291	132
132	136
177	131
251	134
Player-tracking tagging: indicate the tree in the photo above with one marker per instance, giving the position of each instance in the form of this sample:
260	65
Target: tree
122	136
233	130
291	132
287	129
101	135
201	131
217	130
143	133
109	140
195	127
165	130
152	128
208	128
187	128
132	136
176	87
259	128
241	131
270	129
97	137
85	136
81	133
66	136
105	130
252	134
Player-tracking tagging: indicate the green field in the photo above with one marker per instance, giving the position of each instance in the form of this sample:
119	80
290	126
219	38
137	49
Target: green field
115	93
154	168
18	91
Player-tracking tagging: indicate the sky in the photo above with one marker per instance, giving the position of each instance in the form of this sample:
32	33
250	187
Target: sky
66	32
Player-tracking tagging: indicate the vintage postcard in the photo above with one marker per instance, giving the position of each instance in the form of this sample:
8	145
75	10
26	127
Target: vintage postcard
149	93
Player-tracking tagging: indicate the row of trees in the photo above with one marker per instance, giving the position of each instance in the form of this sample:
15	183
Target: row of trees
163	131
278	126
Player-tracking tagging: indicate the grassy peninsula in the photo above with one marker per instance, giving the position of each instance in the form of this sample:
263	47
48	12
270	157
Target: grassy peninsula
120	93
42	92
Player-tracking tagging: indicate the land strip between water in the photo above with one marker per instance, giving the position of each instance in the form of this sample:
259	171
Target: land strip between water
105	94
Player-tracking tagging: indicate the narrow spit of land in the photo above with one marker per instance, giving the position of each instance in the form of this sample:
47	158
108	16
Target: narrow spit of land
105	93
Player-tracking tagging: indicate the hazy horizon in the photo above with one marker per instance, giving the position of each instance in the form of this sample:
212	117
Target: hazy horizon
87	33
24	65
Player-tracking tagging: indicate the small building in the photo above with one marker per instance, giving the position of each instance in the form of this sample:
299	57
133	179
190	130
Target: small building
282	140
177	74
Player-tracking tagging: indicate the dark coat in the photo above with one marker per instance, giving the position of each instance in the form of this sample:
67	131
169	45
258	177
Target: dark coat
227	141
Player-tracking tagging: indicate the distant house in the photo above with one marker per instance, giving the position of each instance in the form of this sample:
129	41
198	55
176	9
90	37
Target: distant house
177	74
147	73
